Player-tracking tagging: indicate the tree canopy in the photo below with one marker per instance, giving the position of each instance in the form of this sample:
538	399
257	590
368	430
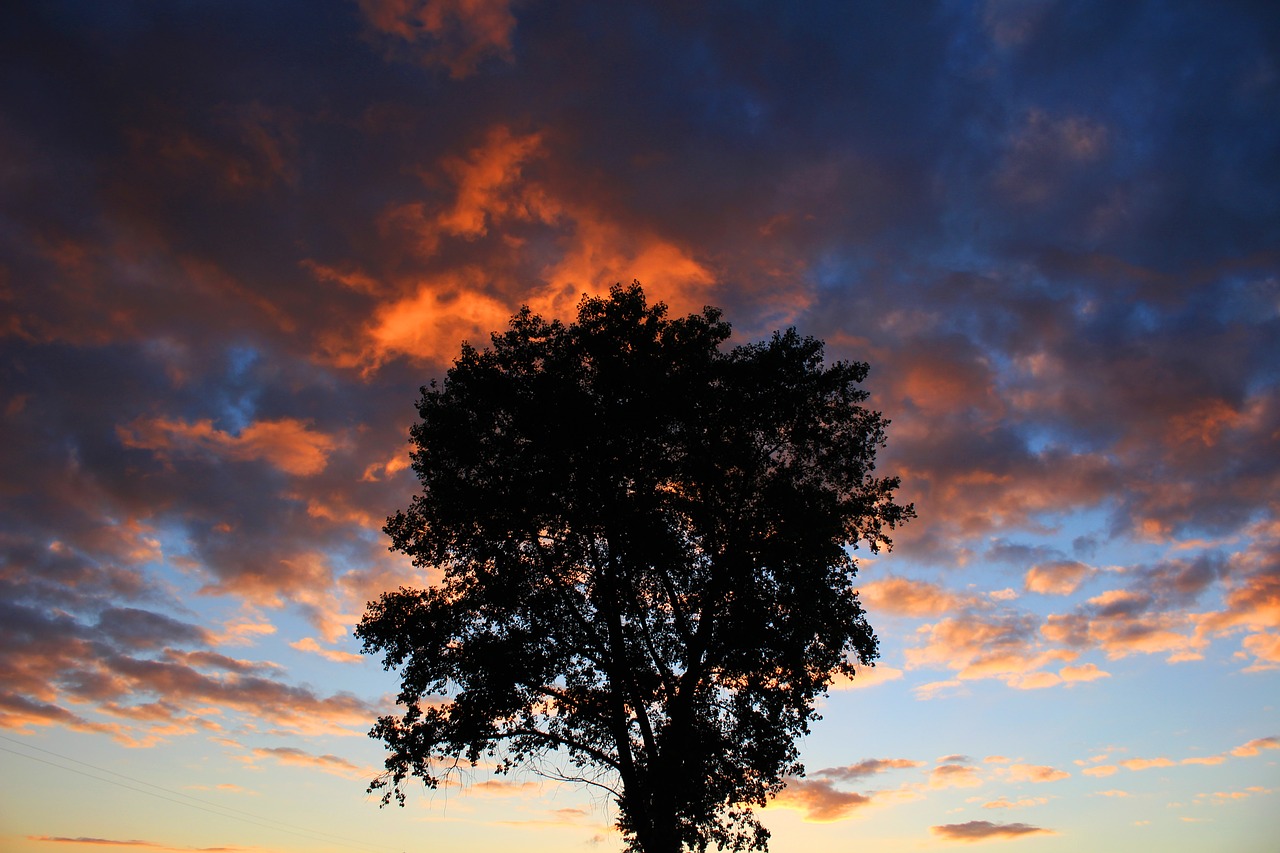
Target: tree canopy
643	542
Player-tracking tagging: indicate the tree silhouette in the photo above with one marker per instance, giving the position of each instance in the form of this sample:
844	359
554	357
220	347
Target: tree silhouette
645	580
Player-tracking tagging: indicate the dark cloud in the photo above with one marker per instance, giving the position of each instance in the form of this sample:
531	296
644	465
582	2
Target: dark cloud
236	237
981	830
869	767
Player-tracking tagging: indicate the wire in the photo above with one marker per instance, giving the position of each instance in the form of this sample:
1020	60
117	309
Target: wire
197	803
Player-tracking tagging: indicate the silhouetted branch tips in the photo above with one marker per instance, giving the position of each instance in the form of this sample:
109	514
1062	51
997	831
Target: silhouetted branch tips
642	544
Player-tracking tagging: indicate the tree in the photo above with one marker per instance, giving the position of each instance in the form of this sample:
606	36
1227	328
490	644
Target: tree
643	544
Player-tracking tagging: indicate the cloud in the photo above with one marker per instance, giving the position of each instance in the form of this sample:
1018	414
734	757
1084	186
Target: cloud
1084	672
287	444
111	842
1035	773
469	261
1061	577
1146	763
1255	746
1045	153
1003	644
901	596
308	644
954	776
820	800
1023	803
1100	771
869	767
982	830
326	763
868	676
459	34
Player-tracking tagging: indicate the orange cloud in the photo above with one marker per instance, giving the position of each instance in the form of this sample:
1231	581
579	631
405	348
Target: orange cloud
982	830
1205	759
1101	770
905	597
1146	763
954	776
308	644
287	444
459	292
1057	578
1265	648
819	799
460	33
867	676
1025	802
489	187
1084	672
1255	746
1035	773
602	252
1002	646
430	321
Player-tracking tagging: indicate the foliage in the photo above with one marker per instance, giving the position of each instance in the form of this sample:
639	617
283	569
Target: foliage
643	544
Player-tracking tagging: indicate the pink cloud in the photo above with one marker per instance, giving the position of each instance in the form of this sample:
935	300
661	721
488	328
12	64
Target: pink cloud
1062	577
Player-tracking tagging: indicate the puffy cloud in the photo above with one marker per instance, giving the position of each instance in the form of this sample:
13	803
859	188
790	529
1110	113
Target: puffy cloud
982	830
954	776
820	800
1003	645
907	597
1057	578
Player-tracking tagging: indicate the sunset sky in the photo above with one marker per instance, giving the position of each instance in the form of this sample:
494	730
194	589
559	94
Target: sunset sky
237	236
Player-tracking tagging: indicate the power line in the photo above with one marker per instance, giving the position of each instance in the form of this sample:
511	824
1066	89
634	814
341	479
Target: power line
196	802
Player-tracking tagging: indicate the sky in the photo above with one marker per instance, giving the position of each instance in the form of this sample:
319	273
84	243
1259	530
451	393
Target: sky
236	238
